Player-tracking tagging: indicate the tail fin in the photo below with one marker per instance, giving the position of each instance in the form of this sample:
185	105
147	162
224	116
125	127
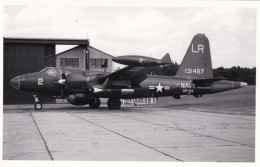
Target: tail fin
197	61
166	59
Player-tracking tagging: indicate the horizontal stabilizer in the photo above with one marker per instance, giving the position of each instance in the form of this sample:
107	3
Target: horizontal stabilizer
166	59
206	80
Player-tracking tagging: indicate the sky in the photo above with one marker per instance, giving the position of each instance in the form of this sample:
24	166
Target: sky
147	31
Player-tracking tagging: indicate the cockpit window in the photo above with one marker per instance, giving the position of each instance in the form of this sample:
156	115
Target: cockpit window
52	71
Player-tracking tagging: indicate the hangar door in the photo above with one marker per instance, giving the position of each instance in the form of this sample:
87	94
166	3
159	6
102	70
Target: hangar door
25	58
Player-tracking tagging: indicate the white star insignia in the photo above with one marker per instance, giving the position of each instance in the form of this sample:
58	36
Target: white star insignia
159	88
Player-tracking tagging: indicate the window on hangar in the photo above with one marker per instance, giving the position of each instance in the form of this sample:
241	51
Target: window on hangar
69	62
97	63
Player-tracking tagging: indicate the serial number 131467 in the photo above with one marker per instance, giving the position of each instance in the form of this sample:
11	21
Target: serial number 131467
194	71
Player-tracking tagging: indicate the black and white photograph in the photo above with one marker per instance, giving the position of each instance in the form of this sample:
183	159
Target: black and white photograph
140	82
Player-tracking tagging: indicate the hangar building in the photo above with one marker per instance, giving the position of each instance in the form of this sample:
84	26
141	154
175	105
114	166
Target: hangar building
23	55
76	58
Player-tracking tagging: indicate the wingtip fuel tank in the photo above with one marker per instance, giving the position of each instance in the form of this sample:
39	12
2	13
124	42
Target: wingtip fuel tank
135	60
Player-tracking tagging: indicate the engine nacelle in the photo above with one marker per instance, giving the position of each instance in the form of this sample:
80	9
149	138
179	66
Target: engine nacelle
77	99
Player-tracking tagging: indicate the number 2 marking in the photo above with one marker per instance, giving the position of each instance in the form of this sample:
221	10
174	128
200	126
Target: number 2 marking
40	81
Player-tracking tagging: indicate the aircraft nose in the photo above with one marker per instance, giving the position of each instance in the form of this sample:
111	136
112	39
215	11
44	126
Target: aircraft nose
15	82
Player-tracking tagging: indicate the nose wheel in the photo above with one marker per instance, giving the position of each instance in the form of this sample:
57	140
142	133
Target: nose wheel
37	103
113	103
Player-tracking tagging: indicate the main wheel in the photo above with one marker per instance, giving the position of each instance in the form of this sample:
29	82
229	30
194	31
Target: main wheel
38	105
197	95
95	103
114	103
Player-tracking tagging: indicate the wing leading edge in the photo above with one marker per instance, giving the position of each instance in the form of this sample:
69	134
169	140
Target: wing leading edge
127	77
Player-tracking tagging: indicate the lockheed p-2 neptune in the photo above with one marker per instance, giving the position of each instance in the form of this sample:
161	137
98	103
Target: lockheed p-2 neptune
194	77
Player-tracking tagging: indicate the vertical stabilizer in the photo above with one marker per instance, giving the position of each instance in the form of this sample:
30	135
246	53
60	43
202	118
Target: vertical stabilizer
197	61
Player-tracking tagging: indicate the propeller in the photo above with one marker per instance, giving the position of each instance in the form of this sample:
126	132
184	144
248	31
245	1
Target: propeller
62	81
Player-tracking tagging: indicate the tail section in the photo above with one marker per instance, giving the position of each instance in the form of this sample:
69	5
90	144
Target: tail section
197	61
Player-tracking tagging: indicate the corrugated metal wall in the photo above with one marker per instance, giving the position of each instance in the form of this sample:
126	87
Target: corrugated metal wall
21	59
49	58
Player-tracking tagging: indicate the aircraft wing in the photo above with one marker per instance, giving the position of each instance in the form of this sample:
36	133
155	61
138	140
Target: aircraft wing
129	76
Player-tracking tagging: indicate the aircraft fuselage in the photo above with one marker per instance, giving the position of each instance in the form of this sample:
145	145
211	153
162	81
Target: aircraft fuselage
152	86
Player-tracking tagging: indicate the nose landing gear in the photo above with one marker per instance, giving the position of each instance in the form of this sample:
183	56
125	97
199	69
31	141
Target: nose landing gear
37	103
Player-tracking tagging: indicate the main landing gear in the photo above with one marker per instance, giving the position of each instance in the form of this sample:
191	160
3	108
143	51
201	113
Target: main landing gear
37	103
95	103
113	103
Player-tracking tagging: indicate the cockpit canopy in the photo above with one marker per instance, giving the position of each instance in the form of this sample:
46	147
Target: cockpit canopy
52	71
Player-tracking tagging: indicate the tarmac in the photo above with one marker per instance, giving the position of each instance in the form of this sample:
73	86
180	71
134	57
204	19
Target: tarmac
133	133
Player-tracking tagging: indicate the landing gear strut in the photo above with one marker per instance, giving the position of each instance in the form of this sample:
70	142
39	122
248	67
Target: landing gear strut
37	103
94	103
114	103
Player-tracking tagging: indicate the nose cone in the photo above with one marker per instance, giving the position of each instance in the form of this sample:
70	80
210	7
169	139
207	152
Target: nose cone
15	82
243	84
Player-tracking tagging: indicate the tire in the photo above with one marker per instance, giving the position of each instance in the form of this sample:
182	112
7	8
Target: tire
113	104
95	103
197	95
38	106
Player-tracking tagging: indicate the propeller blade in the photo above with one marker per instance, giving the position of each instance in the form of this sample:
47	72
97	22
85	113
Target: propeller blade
62	94
63	76
63	79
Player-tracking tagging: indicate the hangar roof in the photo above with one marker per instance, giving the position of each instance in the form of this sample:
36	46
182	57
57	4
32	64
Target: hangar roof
47	41
100	51
88	46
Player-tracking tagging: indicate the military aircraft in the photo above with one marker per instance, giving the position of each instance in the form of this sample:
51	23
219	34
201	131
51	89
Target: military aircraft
194	77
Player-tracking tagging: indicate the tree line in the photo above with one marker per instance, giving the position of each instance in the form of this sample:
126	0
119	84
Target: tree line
235	73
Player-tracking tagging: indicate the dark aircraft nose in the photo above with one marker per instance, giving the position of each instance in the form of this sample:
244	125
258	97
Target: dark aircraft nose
15	82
